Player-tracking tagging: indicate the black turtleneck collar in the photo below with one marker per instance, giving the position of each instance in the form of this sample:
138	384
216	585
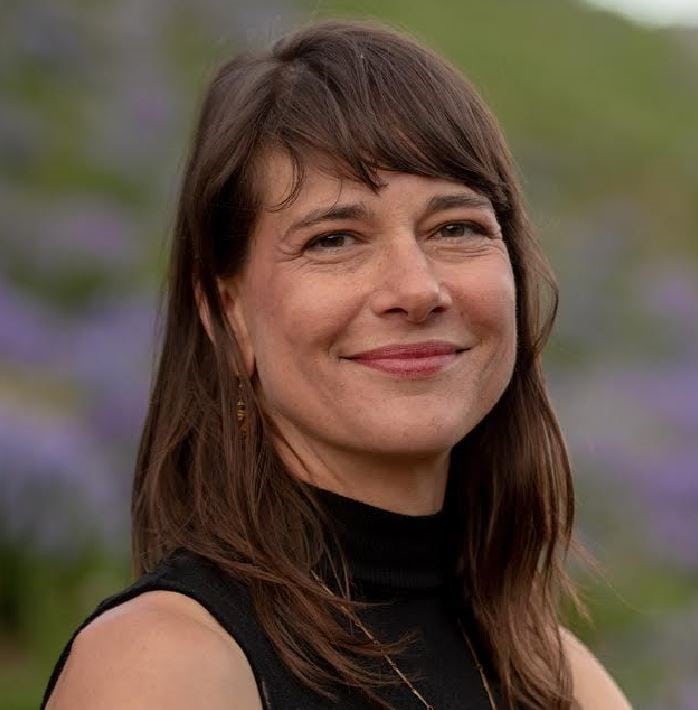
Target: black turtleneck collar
390	550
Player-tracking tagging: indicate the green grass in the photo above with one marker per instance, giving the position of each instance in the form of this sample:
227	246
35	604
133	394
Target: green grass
43	599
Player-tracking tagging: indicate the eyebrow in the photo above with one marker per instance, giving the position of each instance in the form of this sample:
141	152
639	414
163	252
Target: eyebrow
360	211
324	214
461	199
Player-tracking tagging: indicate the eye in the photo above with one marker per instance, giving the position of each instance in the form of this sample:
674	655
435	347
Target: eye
461	229
328	242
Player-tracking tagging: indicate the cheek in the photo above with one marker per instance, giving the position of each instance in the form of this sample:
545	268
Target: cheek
299	319
487	301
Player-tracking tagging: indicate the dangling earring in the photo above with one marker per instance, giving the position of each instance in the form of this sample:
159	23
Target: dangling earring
240	410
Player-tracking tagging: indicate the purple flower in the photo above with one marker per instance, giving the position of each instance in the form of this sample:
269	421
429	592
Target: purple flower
687	695
29	333
670	291
137	130
109	356
48	34
57	485
84	231
635	429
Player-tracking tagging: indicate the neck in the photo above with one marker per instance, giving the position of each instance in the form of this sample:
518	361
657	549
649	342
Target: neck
387	551
411	484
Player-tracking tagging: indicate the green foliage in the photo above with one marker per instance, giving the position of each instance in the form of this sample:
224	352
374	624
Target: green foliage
42	600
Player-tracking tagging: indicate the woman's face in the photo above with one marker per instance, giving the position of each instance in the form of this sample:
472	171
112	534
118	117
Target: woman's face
342	271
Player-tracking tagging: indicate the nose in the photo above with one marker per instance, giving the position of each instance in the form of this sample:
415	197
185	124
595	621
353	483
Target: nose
409	283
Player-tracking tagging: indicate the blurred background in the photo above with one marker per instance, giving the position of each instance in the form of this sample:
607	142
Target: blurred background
600	104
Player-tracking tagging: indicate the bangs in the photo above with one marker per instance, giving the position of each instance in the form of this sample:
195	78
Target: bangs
363	105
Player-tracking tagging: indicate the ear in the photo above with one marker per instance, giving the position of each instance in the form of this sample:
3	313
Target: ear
202	308
232	303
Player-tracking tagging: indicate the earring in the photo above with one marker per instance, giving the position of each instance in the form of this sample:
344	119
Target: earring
240	410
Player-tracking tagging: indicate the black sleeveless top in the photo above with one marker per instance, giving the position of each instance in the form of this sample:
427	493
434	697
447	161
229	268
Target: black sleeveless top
398	558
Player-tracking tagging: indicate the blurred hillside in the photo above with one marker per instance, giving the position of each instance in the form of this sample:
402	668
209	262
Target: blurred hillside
602	116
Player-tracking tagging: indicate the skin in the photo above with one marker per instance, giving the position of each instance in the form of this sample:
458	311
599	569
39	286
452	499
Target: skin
399	274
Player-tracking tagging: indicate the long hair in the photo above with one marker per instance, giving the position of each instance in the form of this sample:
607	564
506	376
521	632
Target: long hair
365	97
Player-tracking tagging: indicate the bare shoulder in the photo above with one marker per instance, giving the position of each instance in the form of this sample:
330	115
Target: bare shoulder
158	650
594	689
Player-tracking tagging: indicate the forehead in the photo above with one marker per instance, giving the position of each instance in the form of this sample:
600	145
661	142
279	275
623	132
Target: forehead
324	183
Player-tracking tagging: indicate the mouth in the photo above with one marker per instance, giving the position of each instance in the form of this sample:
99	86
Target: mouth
404	365
409	351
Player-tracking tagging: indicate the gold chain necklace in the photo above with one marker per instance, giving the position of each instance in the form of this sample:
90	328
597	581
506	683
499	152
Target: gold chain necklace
402	676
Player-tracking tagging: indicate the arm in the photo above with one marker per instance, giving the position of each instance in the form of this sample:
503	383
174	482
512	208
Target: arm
594	689
153	652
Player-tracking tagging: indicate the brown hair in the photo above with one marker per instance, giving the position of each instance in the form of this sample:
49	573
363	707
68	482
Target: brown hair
366	97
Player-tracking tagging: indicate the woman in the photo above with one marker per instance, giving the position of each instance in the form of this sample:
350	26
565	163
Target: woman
351	489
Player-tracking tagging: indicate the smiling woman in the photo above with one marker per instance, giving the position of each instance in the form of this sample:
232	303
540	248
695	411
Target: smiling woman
394	327
351	486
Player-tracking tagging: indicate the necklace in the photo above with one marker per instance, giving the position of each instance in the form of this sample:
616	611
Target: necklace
402	676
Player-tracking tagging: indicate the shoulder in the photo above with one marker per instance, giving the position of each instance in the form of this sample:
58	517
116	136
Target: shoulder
160	649
594	689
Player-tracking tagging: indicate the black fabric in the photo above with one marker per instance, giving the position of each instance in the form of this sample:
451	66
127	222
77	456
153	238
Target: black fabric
400	559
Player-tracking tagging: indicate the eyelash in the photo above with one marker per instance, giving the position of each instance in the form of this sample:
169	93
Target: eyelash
475	226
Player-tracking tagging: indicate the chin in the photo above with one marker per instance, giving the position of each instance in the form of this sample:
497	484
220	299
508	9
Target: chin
415	441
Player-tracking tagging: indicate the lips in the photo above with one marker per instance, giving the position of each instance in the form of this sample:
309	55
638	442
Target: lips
429	349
